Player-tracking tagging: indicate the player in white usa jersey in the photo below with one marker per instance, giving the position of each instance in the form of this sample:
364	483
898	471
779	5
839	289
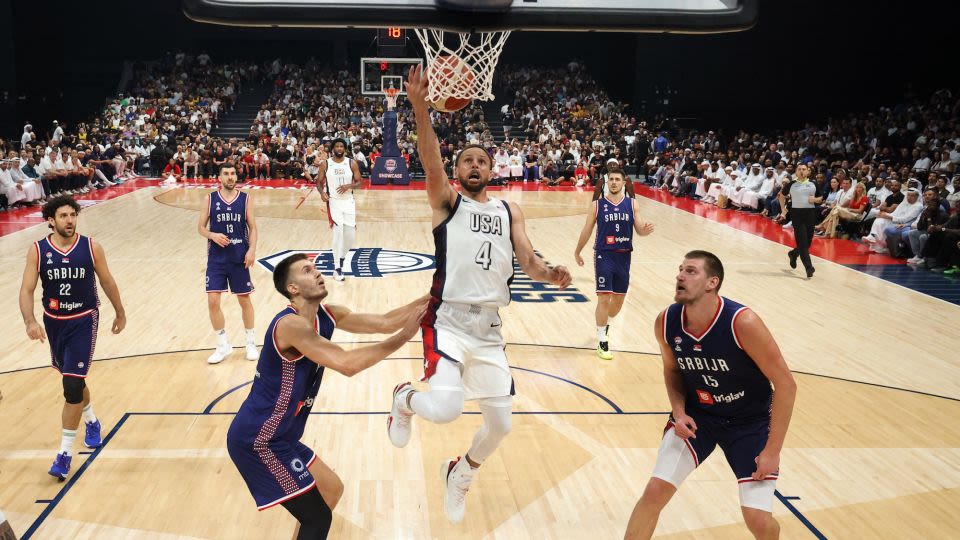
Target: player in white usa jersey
476	239
337	177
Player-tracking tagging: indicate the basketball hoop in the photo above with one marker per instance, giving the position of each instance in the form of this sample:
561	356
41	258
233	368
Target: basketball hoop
461	64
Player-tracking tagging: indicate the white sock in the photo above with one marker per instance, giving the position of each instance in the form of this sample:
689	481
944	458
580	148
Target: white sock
88	415
602	333
222	338
251	340
66	441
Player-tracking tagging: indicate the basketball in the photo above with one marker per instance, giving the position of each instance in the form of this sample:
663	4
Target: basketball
453	76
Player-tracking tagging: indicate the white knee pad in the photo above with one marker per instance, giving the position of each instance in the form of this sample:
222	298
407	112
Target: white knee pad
675	459
758	495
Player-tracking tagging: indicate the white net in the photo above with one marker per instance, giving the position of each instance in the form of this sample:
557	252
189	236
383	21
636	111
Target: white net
461	64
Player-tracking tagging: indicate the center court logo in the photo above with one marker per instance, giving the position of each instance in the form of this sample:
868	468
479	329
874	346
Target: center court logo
360	263
377	262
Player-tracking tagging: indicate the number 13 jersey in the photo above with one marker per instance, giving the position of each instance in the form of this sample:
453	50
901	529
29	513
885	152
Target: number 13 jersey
474	254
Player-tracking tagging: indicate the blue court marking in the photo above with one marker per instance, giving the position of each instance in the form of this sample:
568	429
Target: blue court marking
793	509
614	406
52	504
526	345
72	480
44	501
338	342
876	385
918	279
213	403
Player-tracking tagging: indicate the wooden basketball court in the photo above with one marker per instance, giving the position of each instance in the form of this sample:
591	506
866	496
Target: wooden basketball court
873	450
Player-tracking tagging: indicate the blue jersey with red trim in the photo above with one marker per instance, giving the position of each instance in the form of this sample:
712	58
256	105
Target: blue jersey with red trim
614	225
228	218
720	377
284	389
67	277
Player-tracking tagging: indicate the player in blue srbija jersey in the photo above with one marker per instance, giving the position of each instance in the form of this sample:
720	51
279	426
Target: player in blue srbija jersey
719	362
616	219
230	228
66	263
264	438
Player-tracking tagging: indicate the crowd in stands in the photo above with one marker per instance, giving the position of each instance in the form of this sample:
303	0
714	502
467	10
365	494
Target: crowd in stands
887	176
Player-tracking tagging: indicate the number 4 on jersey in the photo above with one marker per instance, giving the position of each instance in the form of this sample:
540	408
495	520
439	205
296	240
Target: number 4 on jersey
483	256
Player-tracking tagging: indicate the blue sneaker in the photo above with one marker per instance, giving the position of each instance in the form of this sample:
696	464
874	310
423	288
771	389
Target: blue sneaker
91	438
60	467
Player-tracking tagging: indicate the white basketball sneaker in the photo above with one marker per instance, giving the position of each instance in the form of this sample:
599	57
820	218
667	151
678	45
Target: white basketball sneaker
252	353
399	423
220	354
338	274
457	475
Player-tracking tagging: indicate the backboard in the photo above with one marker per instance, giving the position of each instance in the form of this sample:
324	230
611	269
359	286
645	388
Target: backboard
378	74
681	16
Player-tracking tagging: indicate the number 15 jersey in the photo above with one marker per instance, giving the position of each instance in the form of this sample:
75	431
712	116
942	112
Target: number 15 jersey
474	254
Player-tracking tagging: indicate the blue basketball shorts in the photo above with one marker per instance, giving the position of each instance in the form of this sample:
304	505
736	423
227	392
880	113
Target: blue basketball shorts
275	472
612	269
220	274
741	440
72	342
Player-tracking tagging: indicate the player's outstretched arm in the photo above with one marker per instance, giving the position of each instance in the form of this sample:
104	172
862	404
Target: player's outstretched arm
376	323
761	347
530	262
684	426
109	287
439	192
585	232
27	288
297	333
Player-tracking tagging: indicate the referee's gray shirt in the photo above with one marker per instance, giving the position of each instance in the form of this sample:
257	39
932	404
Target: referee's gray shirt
800	193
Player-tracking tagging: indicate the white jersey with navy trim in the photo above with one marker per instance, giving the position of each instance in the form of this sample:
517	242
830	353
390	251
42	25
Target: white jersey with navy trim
474	254
339	174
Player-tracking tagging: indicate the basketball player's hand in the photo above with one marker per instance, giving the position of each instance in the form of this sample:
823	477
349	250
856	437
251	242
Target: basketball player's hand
35	331
768	462
578	258
219	239
119	323
684	426
561	277
412	324
342	189
416	86
646	229
249	258
324	197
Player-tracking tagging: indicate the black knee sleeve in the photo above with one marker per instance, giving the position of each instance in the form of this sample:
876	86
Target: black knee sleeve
313	514
73	389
